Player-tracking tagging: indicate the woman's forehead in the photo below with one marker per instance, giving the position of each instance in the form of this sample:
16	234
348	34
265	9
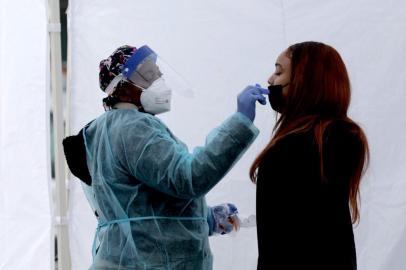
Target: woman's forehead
283	60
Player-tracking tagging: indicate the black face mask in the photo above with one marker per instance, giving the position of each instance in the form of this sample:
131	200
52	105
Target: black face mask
276	97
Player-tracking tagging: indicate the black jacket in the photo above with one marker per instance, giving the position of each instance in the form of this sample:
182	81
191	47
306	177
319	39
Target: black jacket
302	221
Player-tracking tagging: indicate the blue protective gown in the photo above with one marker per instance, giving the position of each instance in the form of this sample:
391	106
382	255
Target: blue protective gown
148	190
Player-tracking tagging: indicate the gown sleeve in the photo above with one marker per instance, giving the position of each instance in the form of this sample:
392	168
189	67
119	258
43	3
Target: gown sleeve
160	161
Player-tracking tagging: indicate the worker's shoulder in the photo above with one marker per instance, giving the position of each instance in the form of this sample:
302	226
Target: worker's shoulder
130	119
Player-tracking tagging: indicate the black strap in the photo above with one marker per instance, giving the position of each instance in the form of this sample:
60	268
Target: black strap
75	154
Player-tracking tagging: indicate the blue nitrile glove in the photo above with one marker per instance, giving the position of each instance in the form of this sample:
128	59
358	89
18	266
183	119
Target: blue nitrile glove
223	219
247	98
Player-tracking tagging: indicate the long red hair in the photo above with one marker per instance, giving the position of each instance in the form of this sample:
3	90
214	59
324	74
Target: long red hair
319	93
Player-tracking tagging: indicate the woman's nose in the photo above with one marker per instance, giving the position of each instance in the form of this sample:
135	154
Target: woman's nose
270	80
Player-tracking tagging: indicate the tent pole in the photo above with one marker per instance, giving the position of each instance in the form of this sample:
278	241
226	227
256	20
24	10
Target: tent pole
61	219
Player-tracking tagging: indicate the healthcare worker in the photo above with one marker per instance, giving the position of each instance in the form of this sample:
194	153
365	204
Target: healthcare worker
144	186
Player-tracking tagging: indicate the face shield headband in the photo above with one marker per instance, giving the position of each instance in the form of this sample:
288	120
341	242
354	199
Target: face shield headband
145	67
140	69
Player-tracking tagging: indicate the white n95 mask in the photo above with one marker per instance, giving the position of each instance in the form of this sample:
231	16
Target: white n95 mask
156	98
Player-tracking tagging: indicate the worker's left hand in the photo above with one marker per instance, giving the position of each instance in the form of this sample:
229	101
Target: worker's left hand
224	218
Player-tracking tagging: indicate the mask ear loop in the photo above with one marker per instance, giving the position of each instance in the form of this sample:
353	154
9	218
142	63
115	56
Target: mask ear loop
110	100
140	108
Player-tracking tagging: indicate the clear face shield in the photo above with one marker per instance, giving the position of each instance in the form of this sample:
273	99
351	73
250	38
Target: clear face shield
145	67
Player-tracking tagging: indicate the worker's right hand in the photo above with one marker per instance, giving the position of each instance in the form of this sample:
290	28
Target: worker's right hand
224	218
246	100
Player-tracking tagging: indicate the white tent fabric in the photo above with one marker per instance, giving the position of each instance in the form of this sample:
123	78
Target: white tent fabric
25	217
220	47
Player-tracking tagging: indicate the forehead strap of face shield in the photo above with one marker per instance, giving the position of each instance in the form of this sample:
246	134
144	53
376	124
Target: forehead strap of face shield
137	58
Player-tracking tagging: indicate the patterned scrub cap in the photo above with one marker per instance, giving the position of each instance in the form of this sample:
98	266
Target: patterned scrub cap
111	67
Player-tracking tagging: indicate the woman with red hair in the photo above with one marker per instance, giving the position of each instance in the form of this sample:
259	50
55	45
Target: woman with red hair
308	176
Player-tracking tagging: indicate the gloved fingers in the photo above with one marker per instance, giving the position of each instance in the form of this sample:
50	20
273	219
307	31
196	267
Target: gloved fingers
225	218
233	219
225	228
261	99
250	90
259	91
225	209
255	90
262	91
232	208
235	222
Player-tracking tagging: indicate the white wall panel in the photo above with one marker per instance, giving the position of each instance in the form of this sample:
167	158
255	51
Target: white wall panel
25	217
